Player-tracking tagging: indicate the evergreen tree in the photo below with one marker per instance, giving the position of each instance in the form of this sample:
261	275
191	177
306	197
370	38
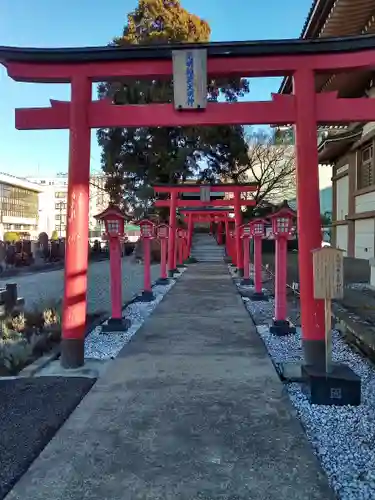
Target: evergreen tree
135	158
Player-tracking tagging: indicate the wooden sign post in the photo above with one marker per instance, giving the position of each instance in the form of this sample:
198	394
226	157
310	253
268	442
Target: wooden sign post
328	265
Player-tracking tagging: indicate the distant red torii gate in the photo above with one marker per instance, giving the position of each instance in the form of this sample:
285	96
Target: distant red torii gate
301	59
174	202
215	215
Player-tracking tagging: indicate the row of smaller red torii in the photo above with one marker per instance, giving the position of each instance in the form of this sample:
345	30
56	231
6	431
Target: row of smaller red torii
178	253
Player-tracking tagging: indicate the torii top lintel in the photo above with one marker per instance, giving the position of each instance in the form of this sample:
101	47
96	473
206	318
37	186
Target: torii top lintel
253	58
214	188
209	210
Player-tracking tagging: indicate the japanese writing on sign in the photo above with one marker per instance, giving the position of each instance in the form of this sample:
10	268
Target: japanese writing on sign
328	265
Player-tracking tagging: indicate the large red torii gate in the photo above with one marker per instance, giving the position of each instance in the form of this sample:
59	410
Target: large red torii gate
80	67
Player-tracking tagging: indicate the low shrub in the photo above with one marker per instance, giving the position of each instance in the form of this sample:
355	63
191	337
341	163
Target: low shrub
27	336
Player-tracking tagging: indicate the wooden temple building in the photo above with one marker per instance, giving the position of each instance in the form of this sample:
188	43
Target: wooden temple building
348	147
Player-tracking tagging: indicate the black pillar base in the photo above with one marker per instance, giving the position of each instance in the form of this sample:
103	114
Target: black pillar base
172	273
147	296
247	282
72	353
341	386
239	272
259	297
314	353
191	260
163	281
116	325
181	266
282	327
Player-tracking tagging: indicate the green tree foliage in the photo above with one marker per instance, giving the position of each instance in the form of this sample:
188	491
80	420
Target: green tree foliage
11	236
326	219
135	158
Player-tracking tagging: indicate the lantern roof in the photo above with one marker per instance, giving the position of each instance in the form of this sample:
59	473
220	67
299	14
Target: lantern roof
110	211
258	220
146	221
283	210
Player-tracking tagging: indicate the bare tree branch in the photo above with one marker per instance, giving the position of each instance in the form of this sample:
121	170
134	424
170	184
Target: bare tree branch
271	166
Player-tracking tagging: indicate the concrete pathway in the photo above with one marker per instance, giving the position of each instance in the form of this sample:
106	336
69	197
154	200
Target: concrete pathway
191	410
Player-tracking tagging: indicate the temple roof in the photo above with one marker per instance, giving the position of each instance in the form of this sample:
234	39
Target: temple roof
338	18
335	145
164	51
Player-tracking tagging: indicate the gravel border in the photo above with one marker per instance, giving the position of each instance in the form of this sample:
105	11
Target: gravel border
343	438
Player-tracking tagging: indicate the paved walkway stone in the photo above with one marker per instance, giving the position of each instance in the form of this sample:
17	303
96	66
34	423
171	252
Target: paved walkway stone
191	409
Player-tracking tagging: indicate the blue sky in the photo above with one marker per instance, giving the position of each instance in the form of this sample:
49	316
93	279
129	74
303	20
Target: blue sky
42	23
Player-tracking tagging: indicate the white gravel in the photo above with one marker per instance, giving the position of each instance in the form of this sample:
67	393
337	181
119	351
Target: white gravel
105	346
343	438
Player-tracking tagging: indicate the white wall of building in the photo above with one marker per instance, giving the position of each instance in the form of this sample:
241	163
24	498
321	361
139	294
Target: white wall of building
365	202
364	238
342	198
53	202
342	238
26	225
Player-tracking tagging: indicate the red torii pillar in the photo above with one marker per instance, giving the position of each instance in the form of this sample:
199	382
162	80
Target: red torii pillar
76	245
238	224
172	263
220	233
308	213
190	231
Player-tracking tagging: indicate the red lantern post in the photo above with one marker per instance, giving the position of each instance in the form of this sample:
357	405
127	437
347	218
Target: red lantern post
114	228
162	232
180	247
147	234
227	241
246	235
257	232
282	222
